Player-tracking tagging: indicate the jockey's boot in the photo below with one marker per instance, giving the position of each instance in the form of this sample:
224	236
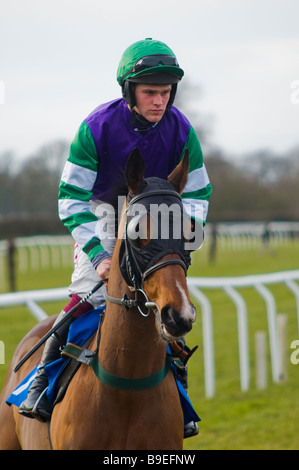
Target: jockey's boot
37	404
191	428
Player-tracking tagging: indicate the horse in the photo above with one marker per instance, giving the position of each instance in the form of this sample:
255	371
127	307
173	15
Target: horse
97	416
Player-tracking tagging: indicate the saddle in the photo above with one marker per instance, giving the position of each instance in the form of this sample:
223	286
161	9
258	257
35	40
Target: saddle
64	379
81	333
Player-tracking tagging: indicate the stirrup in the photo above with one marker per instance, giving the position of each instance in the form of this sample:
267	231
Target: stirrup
43	414
190	429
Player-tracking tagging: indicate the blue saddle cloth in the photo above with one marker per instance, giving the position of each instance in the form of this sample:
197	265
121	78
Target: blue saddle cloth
80	330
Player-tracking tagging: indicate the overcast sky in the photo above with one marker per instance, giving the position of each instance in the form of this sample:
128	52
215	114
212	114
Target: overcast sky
58	61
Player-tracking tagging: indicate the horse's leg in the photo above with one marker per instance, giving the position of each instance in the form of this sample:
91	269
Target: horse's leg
17	432
33	434
11	423
8	435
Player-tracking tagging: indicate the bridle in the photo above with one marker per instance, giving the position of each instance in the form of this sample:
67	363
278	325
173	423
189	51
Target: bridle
137	301
129	265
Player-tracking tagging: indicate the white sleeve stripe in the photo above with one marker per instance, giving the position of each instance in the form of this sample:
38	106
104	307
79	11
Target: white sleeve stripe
68	207
76	175
84	233
197	208
197	179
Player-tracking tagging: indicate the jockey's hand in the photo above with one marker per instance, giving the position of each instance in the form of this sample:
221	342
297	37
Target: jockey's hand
103	269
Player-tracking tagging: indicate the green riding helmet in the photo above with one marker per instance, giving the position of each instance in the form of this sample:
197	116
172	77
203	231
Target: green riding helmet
151	62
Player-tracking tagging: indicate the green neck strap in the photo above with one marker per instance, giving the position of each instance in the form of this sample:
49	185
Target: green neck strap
122	383
115	381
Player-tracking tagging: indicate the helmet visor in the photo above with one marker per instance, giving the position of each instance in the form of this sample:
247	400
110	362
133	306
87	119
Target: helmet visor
155	64
153	61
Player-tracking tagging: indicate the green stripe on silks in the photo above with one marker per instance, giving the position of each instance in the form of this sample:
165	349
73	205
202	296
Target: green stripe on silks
115	381
74	220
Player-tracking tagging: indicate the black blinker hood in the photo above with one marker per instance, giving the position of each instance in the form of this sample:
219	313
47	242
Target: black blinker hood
134	261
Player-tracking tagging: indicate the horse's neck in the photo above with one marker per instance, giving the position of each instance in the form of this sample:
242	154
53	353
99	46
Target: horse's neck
130	345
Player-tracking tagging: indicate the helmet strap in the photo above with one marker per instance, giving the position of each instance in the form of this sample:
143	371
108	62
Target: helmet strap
172	95
129	94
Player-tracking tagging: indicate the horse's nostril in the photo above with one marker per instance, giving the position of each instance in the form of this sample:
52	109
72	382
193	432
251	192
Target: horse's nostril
175	323
166	314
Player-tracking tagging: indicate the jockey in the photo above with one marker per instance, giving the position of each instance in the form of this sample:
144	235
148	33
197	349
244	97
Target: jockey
94	174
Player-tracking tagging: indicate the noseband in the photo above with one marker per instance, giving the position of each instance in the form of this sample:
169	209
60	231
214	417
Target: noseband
136	264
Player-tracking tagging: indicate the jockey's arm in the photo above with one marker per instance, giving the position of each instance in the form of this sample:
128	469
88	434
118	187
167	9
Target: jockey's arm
198	189
75	192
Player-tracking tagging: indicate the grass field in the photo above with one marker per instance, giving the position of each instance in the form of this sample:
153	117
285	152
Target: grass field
232	419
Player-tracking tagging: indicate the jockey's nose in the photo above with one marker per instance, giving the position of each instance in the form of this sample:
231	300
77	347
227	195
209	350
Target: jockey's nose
158	99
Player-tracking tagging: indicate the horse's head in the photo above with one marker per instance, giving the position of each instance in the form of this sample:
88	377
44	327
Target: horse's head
153	258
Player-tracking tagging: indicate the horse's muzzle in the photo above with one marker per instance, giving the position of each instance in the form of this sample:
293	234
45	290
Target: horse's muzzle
177	324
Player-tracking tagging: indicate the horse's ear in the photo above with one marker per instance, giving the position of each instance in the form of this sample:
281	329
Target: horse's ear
178	177
135	171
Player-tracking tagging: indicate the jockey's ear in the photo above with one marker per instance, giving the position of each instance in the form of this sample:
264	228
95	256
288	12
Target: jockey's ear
178	177
135	171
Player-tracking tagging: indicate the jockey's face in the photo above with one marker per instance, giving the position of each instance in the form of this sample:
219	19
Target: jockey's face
152	100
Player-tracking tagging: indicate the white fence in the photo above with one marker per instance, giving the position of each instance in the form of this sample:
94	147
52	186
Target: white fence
38	252
244	235
230	285
46	251
31	297
196	286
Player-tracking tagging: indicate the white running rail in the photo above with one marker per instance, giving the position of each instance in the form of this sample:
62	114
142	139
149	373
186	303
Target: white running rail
30	298
229	285
196	285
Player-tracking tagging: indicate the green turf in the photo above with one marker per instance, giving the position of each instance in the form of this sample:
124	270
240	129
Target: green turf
232	419
255	419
